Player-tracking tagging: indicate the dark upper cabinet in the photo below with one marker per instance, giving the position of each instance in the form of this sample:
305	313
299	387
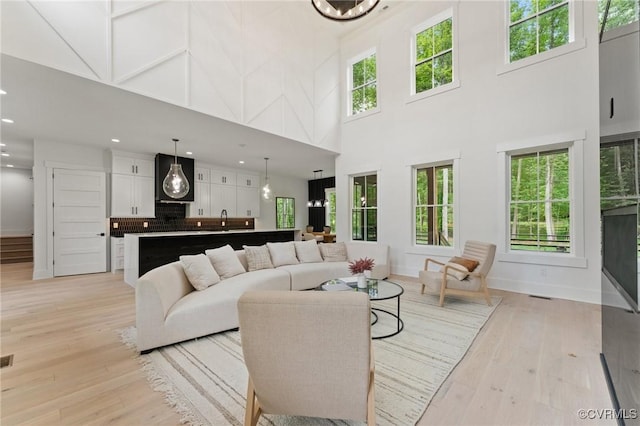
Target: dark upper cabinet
163	163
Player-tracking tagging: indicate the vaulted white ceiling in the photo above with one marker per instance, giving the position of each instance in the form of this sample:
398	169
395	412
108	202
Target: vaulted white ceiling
234	80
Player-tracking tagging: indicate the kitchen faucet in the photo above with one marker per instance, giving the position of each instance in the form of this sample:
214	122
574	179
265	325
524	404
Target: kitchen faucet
223	218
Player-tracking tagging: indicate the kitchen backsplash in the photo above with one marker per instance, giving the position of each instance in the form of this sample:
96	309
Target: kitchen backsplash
171	217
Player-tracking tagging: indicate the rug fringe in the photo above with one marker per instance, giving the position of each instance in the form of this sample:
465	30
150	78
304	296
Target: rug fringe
159	383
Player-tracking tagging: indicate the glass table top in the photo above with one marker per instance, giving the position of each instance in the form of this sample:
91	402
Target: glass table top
377	289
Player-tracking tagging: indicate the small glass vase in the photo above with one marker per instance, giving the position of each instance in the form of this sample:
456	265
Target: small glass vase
362	281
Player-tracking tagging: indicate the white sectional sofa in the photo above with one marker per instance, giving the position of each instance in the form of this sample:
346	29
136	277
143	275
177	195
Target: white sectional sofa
169	309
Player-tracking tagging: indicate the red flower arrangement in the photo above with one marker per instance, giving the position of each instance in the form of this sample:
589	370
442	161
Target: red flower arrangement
361	265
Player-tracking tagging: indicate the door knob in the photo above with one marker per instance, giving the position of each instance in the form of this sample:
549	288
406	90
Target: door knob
100	234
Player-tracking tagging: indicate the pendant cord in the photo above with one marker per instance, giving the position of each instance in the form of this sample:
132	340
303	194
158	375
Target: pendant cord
175	151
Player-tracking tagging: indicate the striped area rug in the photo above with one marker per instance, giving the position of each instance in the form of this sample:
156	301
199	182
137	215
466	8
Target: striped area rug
205	379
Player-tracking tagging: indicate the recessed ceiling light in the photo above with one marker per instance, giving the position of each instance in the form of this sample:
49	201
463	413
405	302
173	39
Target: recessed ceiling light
189	153
4	154
2	92
7	120
3	144
9	165
241	161
115	140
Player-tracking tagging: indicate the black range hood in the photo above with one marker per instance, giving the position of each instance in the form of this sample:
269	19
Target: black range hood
163	164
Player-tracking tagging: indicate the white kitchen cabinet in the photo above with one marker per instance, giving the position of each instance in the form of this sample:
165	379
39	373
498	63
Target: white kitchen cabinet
201	207
223	177
132	166
132	196
132	185
248	202
117	254
248	180
201	174
223	197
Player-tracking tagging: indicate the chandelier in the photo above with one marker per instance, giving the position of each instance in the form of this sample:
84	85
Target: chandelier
344	10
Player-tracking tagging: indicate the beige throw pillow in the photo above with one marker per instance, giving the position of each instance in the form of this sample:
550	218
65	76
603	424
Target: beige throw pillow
308	251
283	253
334	252
225	261
459	273
257	257
199	271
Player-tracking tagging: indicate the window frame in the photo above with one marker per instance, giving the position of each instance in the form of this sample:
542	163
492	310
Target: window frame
330	207
576	40
450	12
367	208
349	93
278	216
574	141
415	169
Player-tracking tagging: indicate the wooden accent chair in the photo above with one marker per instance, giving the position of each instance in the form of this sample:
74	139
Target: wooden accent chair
308	353
474	284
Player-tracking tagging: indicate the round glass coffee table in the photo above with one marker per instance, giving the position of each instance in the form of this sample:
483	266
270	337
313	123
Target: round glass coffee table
377	290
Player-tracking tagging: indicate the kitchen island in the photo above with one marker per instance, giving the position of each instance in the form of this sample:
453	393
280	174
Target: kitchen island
145	251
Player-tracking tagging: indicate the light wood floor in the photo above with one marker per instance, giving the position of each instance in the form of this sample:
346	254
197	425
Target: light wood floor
534	363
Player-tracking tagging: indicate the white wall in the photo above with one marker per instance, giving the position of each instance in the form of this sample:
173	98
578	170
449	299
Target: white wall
16	198
272	65
284	187
488	109
619	71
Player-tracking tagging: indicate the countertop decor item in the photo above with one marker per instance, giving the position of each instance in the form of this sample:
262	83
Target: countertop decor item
175	184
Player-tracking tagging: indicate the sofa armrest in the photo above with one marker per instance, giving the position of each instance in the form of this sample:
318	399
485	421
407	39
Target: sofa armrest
156	292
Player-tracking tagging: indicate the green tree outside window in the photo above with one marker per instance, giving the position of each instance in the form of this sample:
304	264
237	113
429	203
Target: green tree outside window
364	208
285	212
434	206
539	202
364	90
536	26
621	12
434	56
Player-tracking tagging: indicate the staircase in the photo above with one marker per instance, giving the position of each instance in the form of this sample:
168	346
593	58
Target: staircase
16	249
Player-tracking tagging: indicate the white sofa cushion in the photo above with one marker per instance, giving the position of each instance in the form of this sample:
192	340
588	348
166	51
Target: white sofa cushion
334	252
305	276
199	271
283	253
225	261
308	251
258	257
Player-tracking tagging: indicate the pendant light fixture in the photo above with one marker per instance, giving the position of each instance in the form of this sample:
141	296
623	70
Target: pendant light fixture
317	203
266	189
175	184
344	10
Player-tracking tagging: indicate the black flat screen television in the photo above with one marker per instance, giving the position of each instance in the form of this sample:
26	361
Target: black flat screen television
620	250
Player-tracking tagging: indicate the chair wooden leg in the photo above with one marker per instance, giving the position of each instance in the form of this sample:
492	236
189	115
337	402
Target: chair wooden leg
487	296
443	288
371	406
253	410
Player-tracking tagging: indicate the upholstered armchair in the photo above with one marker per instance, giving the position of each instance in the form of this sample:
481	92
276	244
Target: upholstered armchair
308	353
455	279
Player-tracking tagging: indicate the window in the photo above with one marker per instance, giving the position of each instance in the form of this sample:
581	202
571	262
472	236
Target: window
364	208
285	212
619	173
539	202
363	84
621	12
330	208
433	205
536	26
433	54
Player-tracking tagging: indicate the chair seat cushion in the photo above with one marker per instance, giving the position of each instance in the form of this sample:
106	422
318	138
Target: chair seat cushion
433	280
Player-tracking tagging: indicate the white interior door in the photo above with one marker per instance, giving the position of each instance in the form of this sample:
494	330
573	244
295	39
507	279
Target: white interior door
79	222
